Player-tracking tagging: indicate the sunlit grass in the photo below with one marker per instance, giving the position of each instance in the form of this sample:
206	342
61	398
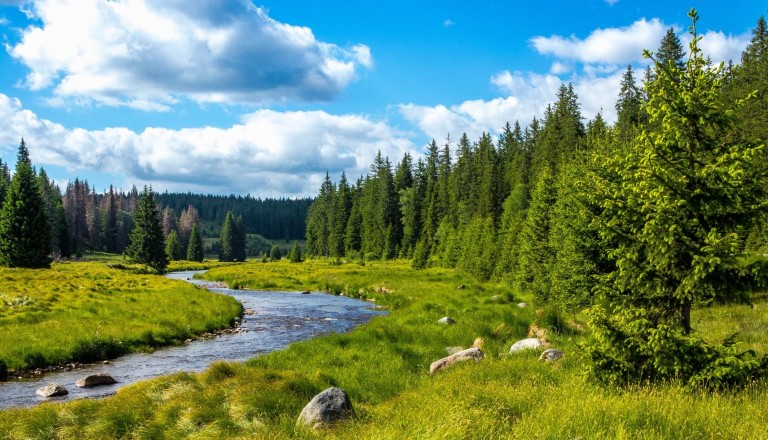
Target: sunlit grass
384	367
88	311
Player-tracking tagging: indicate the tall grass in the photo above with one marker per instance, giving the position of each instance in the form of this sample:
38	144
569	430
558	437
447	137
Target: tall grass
88	311
384	367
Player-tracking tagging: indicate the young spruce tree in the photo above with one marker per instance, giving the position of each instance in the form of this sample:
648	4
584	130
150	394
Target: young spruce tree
195	247
675	217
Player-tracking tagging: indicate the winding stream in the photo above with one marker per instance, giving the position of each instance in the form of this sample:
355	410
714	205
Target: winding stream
279	319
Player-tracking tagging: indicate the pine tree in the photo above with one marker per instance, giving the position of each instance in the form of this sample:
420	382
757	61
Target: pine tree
274	253
147	244
25	233
195	248
628	106
173	247
670	52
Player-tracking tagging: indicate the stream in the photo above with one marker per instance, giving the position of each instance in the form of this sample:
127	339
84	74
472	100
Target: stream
279	319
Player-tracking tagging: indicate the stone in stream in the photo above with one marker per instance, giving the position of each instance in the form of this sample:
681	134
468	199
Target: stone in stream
464	355
447	320
95	380
52	390
326	408
551	355
526	344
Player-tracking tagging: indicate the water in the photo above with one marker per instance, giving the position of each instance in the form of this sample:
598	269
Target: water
280	318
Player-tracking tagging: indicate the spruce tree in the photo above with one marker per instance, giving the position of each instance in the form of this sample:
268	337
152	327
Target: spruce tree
674	211
239	240
670	52
226	238
147	244
173	247
295	255
274	253
195	250
25	233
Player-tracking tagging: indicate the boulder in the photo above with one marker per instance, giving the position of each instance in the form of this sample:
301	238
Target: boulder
526	344
461	287
95	380
326	408
52	390
522	305
447	320
551	355
464	355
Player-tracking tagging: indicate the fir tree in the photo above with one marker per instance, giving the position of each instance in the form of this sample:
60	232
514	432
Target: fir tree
147	244
195	248
274	253
25	233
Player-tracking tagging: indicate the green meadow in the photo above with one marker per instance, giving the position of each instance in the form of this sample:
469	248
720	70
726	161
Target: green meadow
384	367
86	311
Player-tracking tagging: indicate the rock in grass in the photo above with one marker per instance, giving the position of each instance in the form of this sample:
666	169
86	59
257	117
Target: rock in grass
551	355
464	355
526	344
447	320
326	408
95	380
522	305
52	390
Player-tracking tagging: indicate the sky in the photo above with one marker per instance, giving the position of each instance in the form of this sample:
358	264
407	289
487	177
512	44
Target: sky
265	98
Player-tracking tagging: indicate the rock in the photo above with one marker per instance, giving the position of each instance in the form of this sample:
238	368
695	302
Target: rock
447	320
522	305
105	363
95	380
551	355
306	292
326	408
464	355
52	390
526	344
461	287
478	343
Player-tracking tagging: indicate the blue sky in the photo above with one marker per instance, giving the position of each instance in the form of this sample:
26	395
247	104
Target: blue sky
236	97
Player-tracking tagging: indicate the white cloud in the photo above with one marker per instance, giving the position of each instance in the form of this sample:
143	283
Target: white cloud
720	47
269	153
147	53
558	68
448	22
611	2
608	46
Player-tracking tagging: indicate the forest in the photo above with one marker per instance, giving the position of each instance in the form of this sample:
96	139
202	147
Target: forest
643	219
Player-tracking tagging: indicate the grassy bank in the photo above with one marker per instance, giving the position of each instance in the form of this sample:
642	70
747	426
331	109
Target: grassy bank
88	311
384	368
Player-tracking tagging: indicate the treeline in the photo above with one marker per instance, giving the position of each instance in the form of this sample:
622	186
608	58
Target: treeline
276	219
642	220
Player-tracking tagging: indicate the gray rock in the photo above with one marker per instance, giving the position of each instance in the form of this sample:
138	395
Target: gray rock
447	320
52	390
461	287
526	344
326	408
522	305
550	355
95	380
464	355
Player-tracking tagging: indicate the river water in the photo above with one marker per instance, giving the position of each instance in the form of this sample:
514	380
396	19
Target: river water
279	319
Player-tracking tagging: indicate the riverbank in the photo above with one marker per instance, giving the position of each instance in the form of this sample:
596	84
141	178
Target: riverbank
384	367
84	312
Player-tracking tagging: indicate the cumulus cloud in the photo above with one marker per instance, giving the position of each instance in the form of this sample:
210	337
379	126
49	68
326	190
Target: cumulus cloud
608	46
146	54
720	47
268	153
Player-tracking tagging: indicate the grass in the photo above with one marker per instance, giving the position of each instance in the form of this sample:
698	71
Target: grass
384	368
79	312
